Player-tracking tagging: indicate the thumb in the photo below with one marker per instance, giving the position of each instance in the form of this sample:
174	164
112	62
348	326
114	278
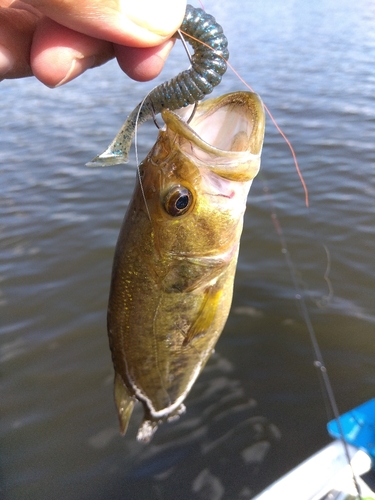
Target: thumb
136	23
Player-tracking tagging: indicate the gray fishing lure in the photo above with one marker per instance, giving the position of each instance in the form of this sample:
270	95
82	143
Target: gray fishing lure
208	64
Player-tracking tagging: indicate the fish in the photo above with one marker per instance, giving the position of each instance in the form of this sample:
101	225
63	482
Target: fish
175	259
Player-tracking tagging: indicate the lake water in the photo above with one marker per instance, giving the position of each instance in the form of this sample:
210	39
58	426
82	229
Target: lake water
257	409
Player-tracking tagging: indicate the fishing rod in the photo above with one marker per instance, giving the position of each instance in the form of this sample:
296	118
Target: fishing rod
318	362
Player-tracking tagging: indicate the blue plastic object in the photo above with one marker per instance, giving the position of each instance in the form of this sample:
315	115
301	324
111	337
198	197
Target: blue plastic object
358	426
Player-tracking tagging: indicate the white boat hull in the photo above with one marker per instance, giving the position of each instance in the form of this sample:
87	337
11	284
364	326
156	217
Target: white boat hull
326	471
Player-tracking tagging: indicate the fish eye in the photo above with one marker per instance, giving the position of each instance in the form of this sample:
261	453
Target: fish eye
177	201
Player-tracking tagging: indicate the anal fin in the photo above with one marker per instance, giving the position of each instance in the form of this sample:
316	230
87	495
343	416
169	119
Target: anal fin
124	402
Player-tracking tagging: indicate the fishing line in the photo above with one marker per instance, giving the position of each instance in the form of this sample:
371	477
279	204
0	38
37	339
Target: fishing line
318	361
136	155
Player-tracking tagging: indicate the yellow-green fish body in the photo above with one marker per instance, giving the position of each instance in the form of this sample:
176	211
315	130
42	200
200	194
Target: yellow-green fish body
176	255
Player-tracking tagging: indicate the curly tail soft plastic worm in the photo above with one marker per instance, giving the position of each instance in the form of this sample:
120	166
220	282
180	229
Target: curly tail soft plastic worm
207	68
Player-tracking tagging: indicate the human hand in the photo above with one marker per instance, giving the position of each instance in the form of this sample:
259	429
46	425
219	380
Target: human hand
57	40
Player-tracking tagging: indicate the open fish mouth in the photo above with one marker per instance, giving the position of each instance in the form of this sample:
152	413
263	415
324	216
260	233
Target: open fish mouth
225	131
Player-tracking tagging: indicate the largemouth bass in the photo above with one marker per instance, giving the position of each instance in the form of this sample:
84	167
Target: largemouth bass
176	255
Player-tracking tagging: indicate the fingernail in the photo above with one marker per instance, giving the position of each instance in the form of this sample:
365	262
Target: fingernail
157	17
78	66
6	60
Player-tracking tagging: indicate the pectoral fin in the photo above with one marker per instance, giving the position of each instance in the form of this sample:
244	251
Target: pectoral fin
206	314
124	402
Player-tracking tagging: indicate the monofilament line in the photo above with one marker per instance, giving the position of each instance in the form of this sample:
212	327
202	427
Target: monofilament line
136	154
